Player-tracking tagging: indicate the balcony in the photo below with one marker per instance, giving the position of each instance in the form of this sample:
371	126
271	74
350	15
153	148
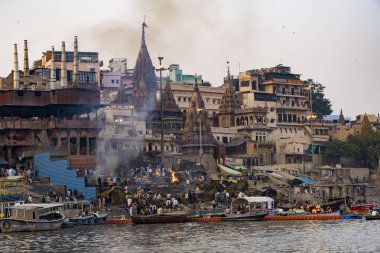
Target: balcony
295	106
75	123
294	93
23	124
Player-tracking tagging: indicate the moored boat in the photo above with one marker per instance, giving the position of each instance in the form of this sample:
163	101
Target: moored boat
90	219
158	218
32	217
249	209
372	217
362	208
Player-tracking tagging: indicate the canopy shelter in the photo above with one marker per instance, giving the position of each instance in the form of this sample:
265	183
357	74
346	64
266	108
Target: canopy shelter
247	204
299	181
227	171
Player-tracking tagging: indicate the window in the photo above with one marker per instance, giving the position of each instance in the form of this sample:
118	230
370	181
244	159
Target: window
244	83
112	81
254	86
117	81
179	99
225	139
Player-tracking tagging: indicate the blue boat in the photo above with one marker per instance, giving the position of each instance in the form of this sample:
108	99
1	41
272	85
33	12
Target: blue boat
352	216
90	219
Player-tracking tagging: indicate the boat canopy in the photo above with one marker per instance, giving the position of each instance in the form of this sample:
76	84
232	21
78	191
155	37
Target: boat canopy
227	171
41	205
251	200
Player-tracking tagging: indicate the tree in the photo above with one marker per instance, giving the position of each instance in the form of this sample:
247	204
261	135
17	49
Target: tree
321	105
364	148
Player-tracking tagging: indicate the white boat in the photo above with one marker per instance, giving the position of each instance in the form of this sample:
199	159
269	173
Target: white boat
249	209
32	217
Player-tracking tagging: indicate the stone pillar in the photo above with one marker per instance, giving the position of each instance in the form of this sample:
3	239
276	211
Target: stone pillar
88	145
78	146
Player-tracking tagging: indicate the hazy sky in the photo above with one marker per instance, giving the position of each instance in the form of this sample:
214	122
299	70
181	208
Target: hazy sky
337	43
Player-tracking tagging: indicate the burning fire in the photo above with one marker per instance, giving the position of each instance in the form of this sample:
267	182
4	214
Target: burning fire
174	176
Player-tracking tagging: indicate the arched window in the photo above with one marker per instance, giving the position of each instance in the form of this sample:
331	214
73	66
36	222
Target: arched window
237	122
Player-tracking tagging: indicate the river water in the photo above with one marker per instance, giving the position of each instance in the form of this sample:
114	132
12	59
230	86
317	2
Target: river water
264	236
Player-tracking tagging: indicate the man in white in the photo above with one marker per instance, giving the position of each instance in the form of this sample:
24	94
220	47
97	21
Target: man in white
375	213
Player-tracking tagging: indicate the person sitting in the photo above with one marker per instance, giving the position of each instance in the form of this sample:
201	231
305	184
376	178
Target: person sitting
314	211
329	210
318	207
375	213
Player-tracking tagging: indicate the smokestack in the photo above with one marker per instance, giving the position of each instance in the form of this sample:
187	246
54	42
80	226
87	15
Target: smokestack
16	79
75	63
63	66
26	64
52	70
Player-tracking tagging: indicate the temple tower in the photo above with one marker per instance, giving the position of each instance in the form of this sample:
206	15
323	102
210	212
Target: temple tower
144	77
228	104
197	137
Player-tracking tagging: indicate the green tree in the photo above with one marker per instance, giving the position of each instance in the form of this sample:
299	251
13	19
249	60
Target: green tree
321	104
364	148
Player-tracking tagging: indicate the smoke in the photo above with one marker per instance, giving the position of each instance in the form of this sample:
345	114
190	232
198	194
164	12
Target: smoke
195	34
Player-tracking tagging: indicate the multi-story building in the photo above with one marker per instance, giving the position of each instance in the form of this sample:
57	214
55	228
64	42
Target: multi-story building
48	114
211	96
176	75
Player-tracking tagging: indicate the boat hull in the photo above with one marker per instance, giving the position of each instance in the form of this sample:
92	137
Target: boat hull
370	217
90	219
16	225
243	217
157	219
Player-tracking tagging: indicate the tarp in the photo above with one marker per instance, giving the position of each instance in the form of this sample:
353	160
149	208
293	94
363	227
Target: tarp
299	181
228	171
307	181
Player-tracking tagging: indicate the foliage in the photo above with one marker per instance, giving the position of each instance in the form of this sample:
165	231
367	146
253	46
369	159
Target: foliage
321	104
365	148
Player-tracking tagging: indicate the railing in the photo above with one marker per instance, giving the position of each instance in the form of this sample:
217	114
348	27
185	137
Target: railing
47	123
294	93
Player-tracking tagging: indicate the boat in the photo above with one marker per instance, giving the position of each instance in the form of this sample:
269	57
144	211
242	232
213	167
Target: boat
32	217
362	208
352	216
90	219
158	218
372	217
207	213
249	209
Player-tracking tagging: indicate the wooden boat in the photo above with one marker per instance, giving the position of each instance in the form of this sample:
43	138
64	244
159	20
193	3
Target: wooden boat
249	209
363	208
372	217
32	217
207	213
90	219
245	217
155	219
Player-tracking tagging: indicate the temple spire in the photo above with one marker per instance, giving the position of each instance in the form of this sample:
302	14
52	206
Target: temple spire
341	117
143	32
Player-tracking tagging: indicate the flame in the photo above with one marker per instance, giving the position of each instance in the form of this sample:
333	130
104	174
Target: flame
158	173
174	176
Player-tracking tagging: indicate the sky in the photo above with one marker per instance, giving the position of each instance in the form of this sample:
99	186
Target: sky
336	43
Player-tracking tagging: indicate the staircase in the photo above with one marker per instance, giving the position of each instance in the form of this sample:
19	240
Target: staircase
59	174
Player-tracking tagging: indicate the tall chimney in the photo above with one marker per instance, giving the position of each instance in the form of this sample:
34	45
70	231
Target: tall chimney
75	63
16	79
52	70
26	64
63	66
